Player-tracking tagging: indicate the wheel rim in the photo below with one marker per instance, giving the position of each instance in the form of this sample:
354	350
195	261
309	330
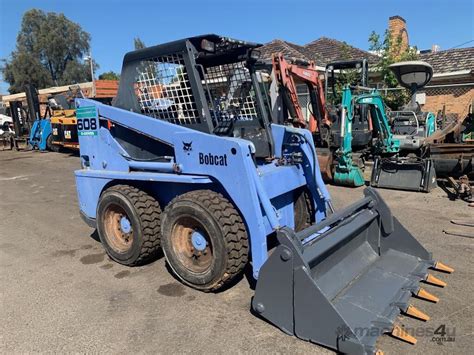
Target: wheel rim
118	228
191	244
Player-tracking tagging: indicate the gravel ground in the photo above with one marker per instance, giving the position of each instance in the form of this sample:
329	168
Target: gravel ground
61	293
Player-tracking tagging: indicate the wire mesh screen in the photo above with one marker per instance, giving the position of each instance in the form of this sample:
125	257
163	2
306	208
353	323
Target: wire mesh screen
303	99
163	90
230	93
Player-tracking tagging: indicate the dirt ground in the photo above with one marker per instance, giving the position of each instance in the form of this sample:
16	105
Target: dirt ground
61	293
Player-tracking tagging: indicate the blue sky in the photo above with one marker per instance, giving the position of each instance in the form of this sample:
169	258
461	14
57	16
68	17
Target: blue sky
113	24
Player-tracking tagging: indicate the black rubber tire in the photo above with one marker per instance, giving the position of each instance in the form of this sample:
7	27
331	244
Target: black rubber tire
51	146
223	227
144	213
303	210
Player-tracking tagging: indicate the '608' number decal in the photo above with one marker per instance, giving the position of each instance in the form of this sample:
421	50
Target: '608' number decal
87	126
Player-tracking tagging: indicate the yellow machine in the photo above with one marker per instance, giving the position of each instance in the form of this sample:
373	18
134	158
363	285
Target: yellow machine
63	118
64	129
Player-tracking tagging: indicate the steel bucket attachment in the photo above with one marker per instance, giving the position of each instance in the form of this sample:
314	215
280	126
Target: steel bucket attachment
343	282
413	174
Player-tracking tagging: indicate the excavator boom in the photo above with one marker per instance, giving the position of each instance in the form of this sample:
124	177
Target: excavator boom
287	73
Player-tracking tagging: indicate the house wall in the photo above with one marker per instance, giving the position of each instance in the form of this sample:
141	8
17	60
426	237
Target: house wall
455	99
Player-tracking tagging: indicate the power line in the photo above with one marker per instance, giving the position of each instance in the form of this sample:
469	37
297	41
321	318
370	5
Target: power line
462	44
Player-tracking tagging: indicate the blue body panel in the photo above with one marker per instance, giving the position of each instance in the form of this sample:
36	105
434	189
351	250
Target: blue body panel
40	131
264	193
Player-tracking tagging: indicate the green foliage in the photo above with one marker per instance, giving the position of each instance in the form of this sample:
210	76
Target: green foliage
138	43
391	51
344	51
75	72
25	68
110	75
49	51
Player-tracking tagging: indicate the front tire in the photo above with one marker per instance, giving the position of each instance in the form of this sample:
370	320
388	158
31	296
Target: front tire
303	210
129	224
204	239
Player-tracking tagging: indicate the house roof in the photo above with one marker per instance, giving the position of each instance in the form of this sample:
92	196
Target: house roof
450	60
287	48
322	51
333	50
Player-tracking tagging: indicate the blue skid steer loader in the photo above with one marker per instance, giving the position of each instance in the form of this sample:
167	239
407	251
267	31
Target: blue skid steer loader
186	160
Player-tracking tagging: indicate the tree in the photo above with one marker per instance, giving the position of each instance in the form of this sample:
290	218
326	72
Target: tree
25	68
110	75
391	50
138	43
49	51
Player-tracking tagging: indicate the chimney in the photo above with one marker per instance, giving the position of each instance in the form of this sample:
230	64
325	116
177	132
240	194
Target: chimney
397	28
435	48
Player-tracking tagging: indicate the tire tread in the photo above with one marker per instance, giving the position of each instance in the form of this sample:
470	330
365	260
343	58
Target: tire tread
235	234
149	213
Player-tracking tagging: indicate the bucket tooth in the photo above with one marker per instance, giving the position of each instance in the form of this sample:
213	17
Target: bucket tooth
423	294
379	352
400	333
435	281
439	266
416	313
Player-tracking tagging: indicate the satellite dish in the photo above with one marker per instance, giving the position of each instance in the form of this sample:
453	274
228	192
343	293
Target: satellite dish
412	75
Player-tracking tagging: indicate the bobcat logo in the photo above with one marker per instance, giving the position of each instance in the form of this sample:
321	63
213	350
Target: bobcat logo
187	147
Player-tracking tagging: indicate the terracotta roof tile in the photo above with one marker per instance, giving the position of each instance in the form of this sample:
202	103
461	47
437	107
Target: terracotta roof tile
333	50
321	51
288	49
450	60
325	50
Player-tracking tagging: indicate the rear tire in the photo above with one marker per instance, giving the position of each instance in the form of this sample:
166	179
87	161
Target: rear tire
204	239
129	224
51	146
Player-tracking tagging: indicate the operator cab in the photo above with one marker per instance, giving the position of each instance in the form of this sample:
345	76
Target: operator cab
207	83
353	73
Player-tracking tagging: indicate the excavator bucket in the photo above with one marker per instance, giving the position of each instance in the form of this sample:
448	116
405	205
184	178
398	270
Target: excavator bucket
343	282
412	174
326	162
